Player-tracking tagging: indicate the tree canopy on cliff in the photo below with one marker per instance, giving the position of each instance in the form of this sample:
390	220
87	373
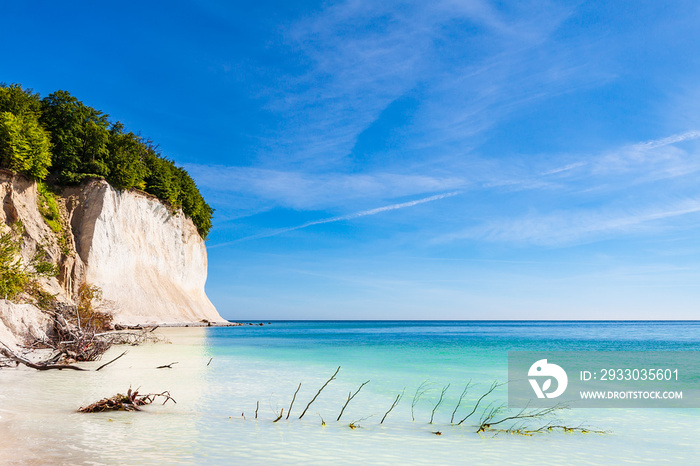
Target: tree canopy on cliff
60	138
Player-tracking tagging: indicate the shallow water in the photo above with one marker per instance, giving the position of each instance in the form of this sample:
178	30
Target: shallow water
214	419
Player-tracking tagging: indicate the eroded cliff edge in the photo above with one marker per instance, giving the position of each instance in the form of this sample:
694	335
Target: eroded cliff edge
148	259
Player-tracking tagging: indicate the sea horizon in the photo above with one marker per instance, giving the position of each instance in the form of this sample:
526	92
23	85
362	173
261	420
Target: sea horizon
463	320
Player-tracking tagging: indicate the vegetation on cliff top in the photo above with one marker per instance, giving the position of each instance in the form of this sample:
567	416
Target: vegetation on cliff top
60	139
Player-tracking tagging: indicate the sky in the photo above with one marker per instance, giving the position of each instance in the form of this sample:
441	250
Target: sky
408	160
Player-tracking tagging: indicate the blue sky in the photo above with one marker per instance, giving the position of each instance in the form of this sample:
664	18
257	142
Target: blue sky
409	160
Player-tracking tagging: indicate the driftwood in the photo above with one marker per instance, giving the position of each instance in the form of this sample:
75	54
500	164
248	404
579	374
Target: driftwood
488	418
51	363
351	395
459	402
494	386
396	401
292	403
129	402
442	395
41	366
79	342
167	366
495	418
320	390
420	391
110	362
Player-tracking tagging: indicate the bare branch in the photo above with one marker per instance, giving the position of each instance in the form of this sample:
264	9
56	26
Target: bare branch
129	402
442	395
420	391
350	397
292	403
524	414
110	362
396	401
459	402
168	366
319	391
38	366
494	386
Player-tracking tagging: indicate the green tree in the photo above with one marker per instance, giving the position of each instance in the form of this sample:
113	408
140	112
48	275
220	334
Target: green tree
79	135
161	180
193	204
19	101
24	145
127	152
76	141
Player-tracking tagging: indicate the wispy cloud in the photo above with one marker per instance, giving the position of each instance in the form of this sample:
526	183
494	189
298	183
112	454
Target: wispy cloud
340	218
613	169
570	198
674	139
562	228
646	187
308	190
471	62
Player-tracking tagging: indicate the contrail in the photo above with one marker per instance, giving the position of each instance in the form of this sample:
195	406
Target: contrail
689	135
363	213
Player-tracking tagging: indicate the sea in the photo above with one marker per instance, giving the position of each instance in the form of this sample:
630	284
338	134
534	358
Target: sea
234	387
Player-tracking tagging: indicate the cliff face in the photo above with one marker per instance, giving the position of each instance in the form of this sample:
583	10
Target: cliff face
150	262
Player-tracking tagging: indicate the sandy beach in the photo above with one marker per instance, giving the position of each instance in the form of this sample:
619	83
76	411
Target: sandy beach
38	410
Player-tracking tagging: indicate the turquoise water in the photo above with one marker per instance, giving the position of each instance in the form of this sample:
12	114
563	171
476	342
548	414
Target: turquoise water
397	357
442	352
224	375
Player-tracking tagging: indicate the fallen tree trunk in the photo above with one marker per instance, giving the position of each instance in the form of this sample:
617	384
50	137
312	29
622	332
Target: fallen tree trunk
41	366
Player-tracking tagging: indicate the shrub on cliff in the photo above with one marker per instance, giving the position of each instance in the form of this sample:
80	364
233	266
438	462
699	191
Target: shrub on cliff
17	276
13	277
62	137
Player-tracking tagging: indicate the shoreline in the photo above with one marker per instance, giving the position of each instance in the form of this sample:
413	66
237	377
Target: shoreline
119	327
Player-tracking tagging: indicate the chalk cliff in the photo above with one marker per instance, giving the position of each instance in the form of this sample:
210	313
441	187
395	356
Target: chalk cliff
148	259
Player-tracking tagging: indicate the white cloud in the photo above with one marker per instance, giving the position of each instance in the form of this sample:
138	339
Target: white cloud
562	228
300	190
340	218
673	139
356	57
